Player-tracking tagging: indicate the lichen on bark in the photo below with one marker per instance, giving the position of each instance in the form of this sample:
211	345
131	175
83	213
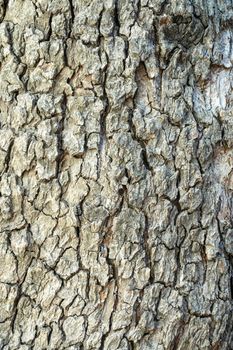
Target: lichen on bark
116	174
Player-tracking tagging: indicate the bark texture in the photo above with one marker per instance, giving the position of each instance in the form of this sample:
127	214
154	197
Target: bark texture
116	158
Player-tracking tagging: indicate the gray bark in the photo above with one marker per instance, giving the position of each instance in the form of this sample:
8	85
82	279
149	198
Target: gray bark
116	163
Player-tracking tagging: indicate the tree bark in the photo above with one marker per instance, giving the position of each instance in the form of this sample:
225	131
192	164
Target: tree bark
116	162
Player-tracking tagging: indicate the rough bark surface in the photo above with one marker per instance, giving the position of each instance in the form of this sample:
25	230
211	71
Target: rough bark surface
116	158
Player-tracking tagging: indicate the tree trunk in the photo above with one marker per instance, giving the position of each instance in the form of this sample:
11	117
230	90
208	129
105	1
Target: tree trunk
116	161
